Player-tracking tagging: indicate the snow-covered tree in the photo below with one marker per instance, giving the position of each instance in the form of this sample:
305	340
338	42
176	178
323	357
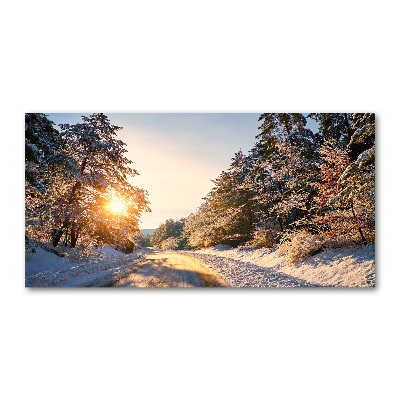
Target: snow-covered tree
336	127
347	186
332	219
43	150
90	173
228	213
170	229
284	169
100	173
334	162
203	228
358	180
293	179
46	163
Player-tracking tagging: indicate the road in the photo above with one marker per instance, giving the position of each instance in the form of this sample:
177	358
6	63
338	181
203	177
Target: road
169	269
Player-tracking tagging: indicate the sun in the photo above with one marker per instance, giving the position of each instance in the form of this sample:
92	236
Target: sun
116	206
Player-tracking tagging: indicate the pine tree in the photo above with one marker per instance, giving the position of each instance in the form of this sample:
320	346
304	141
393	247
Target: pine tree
294	179
168	230
347	187
358	180
337	127
284	169
46	163
43	147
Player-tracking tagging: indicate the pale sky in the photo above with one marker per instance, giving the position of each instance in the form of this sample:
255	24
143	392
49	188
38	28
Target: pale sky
177	155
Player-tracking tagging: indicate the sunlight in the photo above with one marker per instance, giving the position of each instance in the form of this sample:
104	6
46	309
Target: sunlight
116	206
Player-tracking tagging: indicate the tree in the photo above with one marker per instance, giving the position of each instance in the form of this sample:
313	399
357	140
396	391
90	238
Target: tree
100	173
227	214
347	185
332	218
293	179
284	169
145	240
203	228
91	170
45	163
358	180
336	127
43	147
269	188
170	229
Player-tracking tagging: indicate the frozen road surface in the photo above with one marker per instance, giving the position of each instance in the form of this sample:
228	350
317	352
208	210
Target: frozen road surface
170	269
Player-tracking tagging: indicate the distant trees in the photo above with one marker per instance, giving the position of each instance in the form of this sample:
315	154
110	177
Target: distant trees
169	235
145	240
294	179
71	177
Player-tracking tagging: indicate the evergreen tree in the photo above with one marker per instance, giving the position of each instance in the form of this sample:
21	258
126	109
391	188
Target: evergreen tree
294	179
100	171
168	230
43	147
75	174
358	180
347	186
284	169
337	127
46	163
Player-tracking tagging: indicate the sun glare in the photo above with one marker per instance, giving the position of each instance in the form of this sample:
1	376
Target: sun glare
116	206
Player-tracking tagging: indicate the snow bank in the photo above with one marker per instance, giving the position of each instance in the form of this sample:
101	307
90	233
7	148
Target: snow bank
101	268
240	267
43	260
110	252
248	267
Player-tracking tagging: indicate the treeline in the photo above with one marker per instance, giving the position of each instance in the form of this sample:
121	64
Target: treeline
294	183
169	235
72	175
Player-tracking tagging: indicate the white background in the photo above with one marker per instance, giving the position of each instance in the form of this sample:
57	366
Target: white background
204	56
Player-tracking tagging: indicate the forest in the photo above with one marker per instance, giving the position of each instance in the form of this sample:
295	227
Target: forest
297	189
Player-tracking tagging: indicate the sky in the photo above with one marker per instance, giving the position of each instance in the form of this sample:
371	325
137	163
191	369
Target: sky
177	154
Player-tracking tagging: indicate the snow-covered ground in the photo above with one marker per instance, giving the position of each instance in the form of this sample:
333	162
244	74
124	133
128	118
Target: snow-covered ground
246	267
239	267
100	268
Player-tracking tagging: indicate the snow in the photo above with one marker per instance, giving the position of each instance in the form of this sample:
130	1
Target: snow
109	251
100	268
248	267
239	267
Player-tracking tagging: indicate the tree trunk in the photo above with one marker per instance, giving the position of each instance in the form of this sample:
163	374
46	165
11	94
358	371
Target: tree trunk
74	237
65	224
359	227
57	236
249	220
280	223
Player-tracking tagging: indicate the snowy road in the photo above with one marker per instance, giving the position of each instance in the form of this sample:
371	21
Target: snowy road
170	269
143	268
240	267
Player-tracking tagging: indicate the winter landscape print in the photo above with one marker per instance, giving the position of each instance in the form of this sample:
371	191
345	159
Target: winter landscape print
200	200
